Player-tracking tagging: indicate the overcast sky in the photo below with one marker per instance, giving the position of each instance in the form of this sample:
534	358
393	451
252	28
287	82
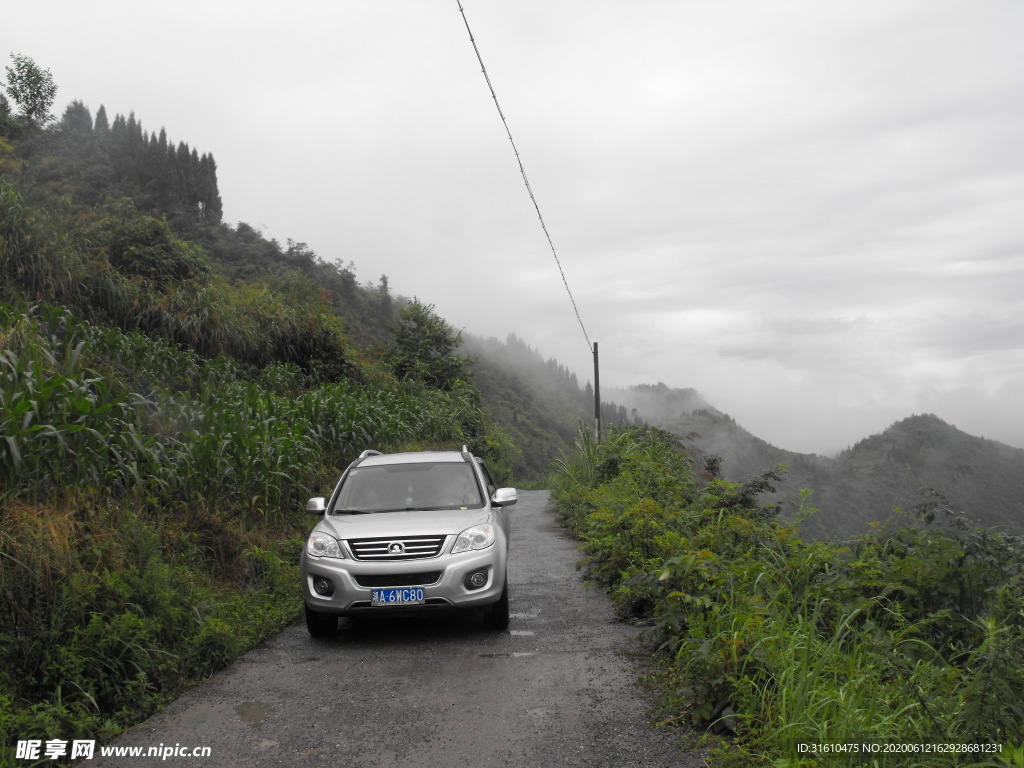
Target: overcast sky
812	212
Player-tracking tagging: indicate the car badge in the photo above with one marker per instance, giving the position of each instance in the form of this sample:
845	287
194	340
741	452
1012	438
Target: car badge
396	548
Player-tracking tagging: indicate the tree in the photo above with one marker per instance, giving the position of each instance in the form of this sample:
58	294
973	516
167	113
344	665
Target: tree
142	245
5	115
77	117
211	208
424	347
32	89
102	123
387	309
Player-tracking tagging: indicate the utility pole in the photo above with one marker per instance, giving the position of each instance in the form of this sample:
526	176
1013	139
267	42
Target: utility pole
597	393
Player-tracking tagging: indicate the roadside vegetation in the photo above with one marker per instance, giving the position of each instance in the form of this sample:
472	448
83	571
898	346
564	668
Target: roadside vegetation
150	510
904	636
172	390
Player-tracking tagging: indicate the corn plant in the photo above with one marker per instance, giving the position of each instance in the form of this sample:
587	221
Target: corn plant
63	426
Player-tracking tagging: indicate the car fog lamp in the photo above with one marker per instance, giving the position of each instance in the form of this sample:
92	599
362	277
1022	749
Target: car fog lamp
323	586
476	579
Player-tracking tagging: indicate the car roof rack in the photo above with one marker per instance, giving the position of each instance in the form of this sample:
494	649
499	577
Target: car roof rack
369	452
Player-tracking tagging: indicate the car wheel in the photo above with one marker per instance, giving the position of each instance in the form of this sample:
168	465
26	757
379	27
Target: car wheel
496	617
321	624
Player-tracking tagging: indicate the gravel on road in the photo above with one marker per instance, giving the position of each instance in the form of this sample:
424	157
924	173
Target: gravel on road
556	689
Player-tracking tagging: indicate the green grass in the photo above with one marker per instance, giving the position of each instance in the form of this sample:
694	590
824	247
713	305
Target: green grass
151	510
905	636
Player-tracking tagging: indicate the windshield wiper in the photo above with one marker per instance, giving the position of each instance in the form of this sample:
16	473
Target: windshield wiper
351	511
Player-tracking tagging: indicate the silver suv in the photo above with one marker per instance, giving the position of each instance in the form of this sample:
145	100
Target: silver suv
409	533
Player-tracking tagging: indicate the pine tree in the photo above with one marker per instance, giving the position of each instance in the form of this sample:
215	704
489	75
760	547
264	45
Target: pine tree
195	202
185	192
173	177
386	308
119	161
77	118
157	180
102	124
211	208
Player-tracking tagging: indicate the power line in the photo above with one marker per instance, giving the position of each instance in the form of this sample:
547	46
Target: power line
522	170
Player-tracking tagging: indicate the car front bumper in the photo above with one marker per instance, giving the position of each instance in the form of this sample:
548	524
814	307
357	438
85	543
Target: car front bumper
442	578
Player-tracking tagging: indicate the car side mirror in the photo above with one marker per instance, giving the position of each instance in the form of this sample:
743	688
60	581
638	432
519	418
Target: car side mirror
504	497
316	505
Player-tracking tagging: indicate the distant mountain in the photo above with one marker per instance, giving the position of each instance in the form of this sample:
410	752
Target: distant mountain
538	402
879	479
657	403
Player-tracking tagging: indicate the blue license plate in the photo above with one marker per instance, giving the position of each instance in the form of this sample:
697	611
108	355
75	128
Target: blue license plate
404	596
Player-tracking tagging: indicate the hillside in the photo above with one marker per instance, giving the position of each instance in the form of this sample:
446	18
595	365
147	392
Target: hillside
172	389
868	483
537	401
982	478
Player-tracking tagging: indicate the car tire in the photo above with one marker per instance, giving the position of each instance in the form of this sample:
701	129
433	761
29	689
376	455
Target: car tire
496	617
321	624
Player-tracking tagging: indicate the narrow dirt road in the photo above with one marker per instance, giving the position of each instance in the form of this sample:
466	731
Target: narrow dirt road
554	690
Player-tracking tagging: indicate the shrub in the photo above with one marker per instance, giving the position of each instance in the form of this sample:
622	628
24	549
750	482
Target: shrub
906	636
149	509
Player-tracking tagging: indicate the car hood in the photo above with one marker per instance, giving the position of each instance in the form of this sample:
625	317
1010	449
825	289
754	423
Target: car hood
403	523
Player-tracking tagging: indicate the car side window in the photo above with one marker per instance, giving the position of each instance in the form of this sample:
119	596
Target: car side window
491	487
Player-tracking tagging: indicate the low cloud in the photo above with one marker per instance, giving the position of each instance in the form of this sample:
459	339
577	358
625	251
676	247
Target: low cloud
808	211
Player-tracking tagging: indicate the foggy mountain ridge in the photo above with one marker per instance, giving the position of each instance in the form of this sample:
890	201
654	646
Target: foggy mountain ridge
538	402
880	478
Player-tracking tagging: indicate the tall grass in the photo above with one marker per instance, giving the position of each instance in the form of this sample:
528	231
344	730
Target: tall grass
151	510
904	636
63	425
160	428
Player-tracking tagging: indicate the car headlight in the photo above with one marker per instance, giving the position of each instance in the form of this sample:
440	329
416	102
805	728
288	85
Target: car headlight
322	545
477	537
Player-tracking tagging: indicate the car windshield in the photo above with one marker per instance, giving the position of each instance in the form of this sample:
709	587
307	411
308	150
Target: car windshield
399	487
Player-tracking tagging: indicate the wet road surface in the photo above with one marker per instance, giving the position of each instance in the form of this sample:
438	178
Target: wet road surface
555	689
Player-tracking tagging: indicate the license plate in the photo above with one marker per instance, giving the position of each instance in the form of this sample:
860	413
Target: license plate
406	596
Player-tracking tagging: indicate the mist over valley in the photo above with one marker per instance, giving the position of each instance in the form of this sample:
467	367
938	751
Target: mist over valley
917	465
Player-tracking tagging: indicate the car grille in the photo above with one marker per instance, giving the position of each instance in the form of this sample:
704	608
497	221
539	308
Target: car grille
403	548
399	579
